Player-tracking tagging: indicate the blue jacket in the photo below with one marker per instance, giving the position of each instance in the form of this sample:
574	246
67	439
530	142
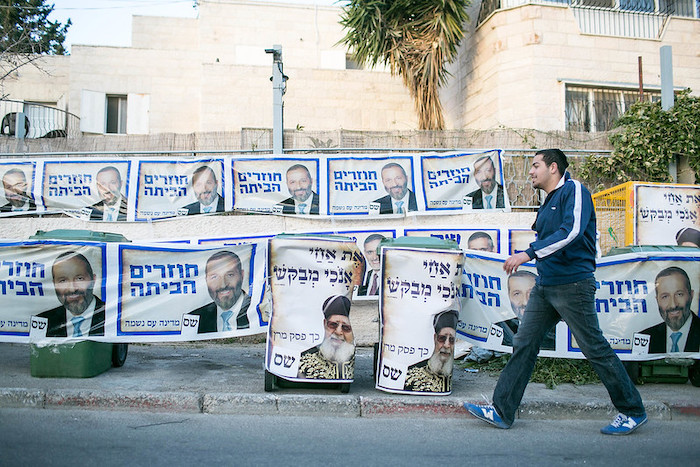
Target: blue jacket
566	235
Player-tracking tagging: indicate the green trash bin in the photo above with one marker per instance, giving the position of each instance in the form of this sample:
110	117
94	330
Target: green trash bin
83	359
667	370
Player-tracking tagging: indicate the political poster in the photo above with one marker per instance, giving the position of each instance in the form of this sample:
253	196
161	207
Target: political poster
171	188
667	214
310	336
277	185
646	304
18	179
52	289
190	292
371	186
419	310
464	181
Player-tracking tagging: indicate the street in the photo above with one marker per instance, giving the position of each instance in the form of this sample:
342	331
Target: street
80	437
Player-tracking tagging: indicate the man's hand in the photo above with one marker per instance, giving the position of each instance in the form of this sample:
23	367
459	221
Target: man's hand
512	263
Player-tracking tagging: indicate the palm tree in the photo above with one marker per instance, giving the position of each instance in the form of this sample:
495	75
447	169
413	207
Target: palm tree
417	39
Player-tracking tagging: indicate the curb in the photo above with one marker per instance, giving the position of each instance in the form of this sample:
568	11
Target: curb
318	405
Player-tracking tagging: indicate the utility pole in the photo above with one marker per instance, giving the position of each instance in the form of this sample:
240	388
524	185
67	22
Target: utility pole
279	87
667	98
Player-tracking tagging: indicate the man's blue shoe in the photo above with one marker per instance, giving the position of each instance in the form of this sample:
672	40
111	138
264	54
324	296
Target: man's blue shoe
486	413
624	425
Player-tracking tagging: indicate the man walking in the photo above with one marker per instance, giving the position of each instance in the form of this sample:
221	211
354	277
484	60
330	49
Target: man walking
565	251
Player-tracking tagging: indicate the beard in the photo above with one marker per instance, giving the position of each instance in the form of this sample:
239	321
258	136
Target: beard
439	367
338	352
226	303
676	322
77	303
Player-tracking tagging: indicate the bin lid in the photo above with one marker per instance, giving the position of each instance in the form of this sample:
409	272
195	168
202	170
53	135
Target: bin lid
420	242
78	234
621	250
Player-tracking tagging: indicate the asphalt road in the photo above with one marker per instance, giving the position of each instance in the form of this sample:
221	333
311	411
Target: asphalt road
105	438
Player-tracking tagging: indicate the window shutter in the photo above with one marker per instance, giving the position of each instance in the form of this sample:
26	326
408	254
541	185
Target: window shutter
137	111
92	111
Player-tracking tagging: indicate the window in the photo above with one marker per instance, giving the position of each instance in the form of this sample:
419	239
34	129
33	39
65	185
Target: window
596	109
116	114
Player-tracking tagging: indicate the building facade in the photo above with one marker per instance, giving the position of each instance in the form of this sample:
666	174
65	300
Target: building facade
548	65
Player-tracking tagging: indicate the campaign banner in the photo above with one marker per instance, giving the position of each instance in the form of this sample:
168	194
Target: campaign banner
419	310
310	336
90	189
667	215
146	189
464	181
646	305
122	292
190	292
18	180
371	185
180	187
53	290
276	185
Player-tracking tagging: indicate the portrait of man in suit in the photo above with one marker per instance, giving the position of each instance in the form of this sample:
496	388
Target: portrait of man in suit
489	195
112	205
399	199
680	330
205	186
480	241
14	182
229	310
81	313
334	358
435	373
520	284
303	199
371	282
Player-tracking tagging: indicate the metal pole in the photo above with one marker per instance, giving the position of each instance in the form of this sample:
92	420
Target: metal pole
278	89
641	79
667	98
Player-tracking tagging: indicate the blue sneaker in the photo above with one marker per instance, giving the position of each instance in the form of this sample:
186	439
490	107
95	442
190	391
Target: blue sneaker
486	413
624	425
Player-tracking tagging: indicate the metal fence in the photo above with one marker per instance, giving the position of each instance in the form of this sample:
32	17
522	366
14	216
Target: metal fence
40	121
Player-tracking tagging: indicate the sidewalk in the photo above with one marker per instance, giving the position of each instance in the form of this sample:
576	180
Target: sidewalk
229	379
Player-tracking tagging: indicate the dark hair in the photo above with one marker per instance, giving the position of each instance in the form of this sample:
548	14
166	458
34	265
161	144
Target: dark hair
554	155
202	169
483	158
225	255
688	234
108	168
373	237
68	255
674	270
300	167
15	171
394	164
478	235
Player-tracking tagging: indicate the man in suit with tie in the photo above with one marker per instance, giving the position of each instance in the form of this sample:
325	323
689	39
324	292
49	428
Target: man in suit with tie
112	205
399	199
14	182
229	310
81	313
370	286
205	186
680	331
490	193
303	199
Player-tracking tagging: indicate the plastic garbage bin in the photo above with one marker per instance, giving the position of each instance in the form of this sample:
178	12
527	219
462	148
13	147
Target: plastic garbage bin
83	359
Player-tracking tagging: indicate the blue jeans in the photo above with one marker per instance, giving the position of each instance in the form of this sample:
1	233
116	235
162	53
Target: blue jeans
575	304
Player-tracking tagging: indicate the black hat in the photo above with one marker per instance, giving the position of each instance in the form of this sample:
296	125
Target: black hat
446	319
688	234
336	305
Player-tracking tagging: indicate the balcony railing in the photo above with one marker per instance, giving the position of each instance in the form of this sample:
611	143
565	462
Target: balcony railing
642	19
40	121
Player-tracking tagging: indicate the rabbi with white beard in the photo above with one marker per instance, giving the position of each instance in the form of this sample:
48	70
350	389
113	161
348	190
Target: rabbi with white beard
435	373
334	358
